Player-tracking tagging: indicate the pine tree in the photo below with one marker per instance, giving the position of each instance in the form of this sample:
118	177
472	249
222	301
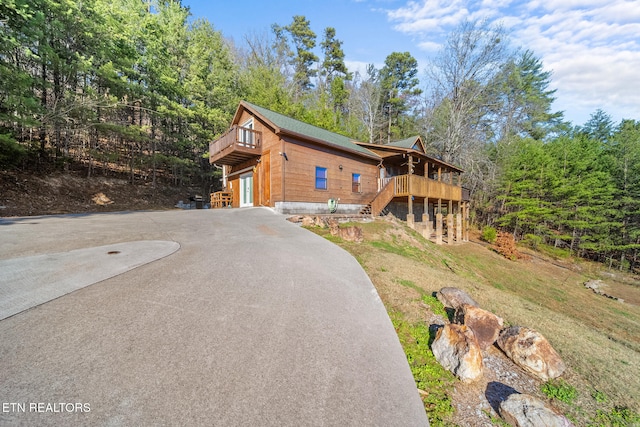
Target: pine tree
304	40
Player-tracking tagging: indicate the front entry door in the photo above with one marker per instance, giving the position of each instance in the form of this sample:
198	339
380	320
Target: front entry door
246	190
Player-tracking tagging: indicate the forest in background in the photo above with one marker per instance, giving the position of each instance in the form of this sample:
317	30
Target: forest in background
141	87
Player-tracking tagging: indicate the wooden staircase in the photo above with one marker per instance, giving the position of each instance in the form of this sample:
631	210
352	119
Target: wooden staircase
380	202
366	210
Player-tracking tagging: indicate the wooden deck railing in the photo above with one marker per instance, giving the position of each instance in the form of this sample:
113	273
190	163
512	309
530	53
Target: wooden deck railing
236	145
419	186
383	198
413	185
221	199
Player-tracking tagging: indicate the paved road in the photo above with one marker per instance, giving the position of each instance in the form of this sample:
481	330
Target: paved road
251	322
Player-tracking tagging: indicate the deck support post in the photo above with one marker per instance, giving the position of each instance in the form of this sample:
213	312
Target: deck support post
410	217
439	228
411	220
426	231
465	221
463	211
450	231
458	227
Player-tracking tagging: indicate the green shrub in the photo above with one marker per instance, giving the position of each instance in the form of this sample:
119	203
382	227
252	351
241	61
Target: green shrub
618	417
532	240
559	390
489	234
599	396
11	152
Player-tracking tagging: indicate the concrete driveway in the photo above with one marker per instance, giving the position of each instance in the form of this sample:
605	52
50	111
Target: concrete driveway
207	317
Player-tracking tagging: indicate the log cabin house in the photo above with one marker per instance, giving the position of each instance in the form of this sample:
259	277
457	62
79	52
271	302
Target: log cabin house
269	159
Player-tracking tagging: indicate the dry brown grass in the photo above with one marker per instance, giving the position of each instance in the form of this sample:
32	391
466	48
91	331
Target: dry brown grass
598	338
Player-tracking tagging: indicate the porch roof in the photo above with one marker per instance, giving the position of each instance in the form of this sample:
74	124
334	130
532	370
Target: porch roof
413	143
394	149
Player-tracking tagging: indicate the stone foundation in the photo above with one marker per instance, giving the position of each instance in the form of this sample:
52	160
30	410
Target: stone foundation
316	208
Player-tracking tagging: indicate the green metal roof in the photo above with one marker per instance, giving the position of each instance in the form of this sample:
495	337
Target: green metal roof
285	123
406	143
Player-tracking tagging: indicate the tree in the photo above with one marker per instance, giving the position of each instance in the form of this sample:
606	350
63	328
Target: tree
333	64
18	36
522	106
460	77
263	72
599	126
399	86
304	39
583	195
211	82
365	101
525	204
624	151
334	71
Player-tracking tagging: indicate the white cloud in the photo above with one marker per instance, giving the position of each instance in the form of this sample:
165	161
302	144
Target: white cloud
429	46
591	46
360	67
428	15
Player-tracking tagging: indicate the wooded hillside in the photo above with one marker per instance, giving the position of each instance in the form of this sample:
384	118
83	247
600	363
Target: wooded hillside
140	88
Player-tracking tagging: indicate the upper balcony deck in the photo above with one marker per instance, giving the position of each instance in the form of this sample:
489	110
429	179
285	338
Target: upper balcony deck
238	145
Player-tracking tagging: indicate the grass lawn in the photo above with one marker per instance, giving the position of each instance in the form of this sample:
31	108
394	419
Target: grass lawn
598	338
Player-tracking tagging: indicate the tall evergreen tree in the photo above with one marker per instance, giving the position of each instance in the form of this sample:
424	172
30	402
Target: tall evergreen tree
523	106
624	151
304	40
400	89
334	71
333	63
599	126
524	202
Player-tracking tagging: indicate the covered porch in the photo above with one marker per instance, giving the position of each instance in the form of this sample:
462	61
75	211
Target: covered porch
424	191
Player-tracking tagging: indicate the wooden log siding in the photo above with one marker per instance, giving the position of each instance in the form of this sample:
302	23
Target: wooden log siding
300	169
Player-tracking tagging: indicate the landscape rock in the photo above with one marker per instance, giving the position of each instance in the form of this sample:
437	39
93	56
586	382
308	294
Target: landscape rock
595	285
531	351
349	234
522	410
453	297
598	286
308	221
320	222
456	349
101	199
485	325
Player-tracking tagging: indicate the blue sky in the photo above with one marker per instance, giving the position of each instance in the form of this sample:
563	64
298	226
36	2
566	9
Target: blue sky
592	47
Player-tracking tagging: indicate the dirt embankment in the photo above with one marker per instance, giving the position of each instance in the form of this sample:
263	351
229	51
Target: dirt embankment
27	194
